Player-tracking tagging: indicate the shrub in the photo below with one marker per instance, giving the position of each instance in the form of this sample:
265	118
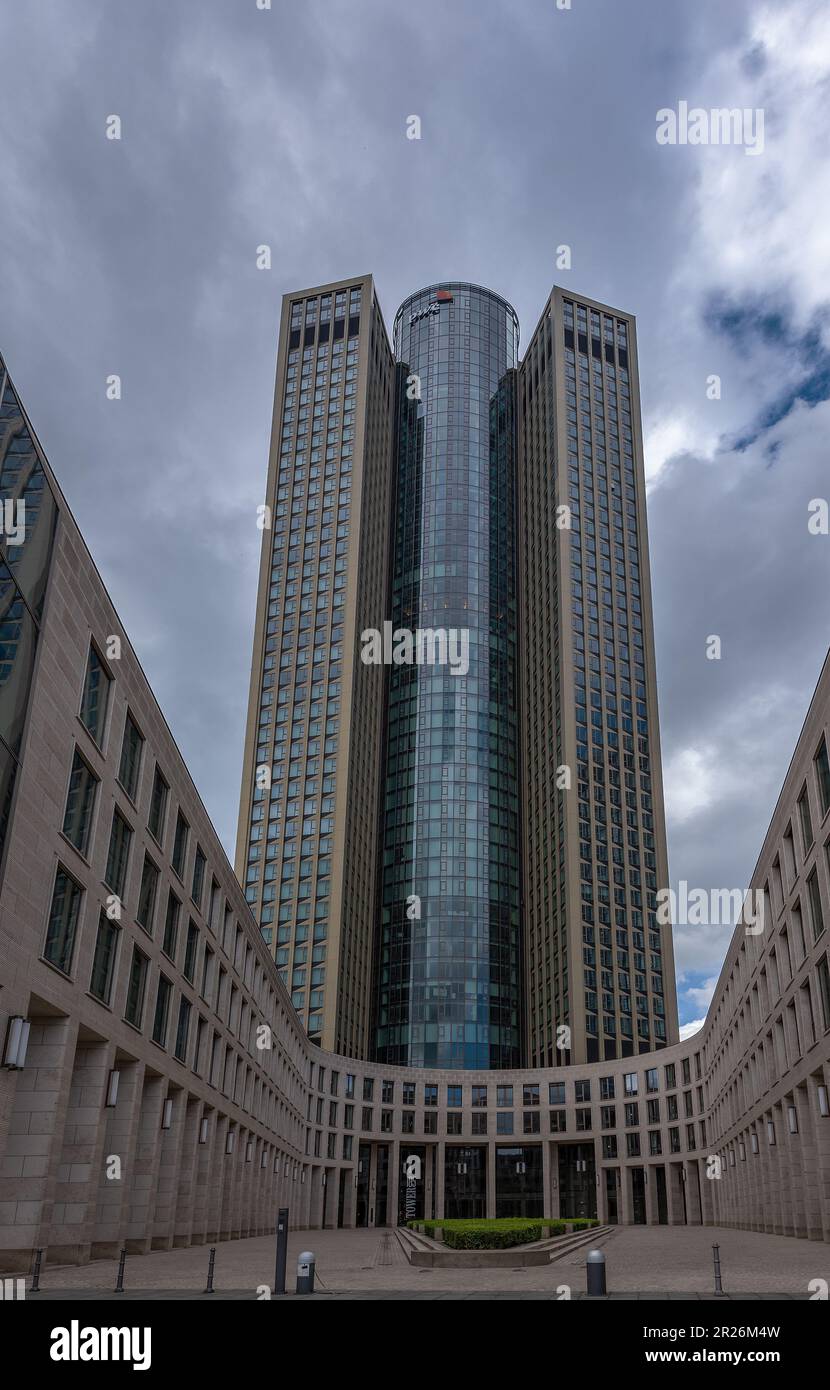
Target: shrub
484	1235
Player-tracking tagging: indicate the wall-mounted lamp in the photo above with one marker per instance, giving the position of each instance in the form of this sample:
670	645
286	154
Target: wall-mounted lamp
742	1151
823	1101
770	1132
792	1119
249	1150
229	1142
112	1089
203	1130
167	1114
264	1159
276	1166
753	1139
17	1040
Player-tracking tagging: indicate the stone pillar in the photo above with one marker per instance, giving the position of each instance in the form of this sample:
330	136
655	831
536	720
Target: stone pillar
115	1171
439	1180
625	1196
394	1183
167	1182
547	1193
35	1105
146	1165
491	1181
188	1159
650	1194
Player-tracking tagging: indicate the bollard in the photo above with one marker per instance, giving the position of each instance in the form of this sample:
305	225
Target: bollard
211	1263
596	1274
282	1250
119	1283
36	1273
718	1280
305	1272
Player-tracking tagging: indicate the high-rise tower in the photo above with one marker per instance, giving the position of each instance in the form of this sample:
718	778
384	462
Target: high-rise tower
456	862
597	960
449	964
308	833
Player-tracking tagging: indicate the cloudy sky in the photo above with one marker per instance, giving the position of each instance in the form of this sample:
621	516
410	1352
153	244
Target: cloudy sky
286	126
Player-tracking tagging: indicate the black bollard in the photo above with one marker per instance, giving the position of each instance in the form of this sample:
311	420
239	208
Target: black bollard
119	1283
282	1250
211	1263
36	1273
595	1265
718	1280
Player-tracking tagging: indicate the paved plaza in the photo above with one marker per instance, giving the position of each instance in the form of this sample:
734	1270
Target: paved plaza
658	1261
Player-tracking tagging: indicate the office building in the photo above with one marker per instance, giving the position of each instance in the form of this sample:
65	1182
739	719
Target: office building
487	884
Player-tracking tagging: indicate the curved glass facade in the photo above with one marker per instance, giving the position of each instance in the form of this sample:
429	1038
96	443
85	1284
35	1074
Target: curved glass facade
449	972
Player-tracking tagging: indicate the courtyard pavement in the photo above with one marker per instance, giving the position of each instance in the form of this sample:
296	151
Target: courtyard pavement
655	1262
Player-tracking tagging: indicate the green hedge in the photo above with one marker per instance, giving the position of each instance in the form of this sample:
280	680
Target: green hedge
500	1234
489	1235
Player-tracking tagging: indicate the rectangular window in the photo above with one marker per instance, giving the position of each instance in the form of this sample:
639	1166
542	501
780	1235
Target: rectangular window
160	1016
823	973
815	905
430	1095
171	926
103	961
387	1092
118	854
80	800
198	877
454	1124
823	778
606	1088
479	1123
556	1093
95	697
145	916
453	1096
180	844
582	1090
530	1121
190	951
504	1096
806	820
671	1077
652	1083
631	1083
530	1094
479	1095
63	921
368	1087
158	806
128	768
136	987
182	1030
207	972
504	1122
